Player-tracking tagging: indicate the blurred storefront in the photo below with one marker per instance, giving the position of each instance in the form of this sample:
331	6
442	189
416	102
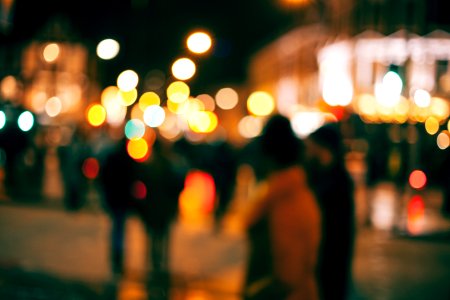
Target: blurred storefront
380	69
52	79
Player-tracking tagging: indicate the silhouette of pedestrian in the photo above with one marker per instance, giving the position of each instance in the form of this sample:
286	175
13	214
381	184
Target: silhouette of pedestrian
333	187
117	175
163	183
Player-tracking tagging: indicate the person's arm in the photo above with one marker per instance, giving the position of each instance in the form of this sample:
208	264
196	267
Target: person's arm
257	205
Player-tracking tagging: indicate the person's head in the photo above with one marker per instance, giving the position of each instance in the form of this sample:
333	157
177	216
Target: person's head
325	147
279	142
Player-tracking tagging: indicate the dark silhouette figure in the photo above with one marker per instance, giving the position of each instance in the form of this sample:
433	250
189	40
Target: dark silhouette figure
223	169
13	142
117	174
159	207
72	157
283	221
333	187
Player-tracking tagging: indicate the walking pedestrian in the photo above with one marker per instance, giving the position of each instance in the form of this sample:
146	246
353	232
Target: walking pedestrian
117	173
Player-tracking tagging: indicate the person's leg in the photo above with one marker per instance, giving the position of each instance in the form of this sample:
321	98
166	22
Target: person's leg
117	241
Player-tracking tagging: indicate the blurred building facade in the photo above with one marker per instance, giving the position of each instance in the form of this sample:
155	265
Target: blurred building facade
380	67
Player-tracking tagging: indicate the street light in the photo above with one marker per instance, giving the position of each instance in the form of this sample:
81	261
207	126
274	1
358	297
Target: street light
108	49
199	42
183	69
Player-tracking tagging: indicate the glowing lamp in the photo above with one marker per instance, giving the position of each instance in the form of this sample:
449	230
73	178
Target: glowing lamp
199	42
25	121
417	179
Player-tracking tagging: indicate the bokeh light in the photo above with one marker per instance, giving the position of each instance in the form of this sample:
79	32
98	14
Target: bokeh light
415	214
443	140
90	168
127	80
250	126
178	91
138	149
176	108
192	105
199	194
136	112
9	87
389	90
202	121
260	103
337	90
154	115
183	68
25	121
305	122
199	42
134	129
96	115
108	49
139	190
109	94
208	101
115	113
422	98
432	125
147	99
53	106
2	119
439	108
170	128
127	98
417	179
366	105
227	98
51	52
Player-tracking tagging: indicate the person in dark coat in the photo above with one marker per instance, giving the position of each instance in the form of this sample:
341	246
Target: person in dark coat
333	187
117	174
163	182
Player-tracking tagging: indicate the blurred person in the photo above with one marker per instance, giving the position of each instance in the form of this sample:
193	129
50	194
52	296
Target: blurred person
117	173
72	157
333	187
282	221
13	143
162	182
224	169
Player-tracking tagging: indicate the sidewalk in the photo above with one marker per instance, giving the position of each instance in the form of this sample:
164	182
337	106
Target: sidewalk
47	253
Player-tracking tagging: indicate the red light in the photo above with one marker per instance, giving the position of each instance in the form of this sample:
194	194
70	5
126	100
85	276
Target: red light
202	187
139	190
416	214
90	168
417	179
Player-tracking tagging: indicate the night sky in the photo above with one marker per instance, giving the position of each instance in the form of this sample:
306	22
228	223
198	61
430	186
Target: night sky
152	33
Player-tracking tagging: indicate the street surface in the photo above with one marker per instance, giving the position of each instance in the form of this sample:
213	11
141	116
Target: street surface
48	253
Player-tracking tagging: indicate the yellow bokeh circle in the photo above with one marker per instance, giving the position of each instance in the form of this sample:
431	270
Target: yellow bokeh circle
260	103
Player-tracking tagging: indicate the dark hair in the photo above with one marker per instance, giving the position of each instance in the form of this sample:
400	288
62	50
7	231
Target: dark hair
279	142
330	137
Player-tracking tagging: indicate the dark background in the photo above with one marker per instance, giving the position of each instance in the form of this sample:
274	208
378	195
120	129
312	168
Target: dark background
152	33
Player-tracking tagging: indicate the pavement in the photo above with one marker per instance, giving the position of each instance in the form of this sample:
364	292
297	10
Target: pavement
47	252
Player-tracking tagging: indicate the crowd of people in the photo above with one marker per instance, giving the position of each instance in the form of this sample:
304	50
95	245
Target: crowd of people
299	218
